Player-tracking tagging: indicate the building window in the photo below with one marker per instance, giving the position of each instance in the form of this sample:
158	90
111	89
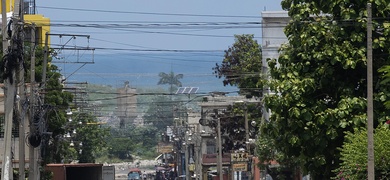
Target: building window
211	147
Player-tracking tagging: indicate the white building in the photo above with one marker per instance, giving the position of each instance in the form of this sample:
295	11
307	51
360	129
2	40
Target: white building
273	24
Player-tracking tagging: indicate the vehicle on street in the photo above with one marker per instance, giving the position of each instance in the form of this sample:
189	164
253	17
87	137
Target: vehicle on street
134	174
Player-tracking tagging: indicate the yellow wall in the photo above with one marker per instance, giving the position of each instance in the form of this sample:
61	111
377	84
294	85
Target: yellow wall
42	25
9	5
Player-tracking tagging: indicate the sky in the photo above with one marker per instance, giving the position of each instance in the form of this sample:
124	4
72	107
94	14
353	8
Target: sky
155	24
150	31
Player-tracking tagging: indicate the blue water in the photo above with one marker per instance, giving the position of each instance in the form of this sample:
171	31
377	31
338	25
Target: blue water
142	69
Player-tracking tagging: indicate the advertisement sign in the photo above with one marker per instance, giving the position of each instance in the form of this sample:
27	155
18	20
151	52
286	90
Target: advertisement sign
164	148
239	167
239	157
211	159
108	172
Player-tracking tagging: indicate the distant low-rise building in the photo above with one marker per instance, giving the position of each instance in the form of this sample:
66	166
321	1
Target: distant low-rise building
126	109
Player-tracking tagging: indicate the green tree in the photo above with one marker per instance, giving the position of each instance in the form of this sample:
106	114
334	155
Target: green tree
319	81
121	147
233	125
170	79
354	154
90	136
242	66
134	140
160	113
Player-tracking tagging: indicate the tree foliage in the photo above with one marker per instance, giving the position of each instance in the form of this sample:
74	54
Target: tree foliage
140	141
233	125
319	81
89	139
170	79
354	154
85	142
160	112
242	65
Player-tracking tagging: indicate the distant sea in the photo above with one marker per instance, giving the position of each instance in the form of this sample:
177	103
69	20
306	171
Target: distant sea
142	69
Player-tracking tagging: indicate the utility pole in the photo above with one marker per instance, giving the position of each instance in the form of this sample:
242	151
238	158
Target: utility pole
32	103
11	54
9	93
22	107
247	129
370	105
186	154
198	151
33	152
219	164
248	143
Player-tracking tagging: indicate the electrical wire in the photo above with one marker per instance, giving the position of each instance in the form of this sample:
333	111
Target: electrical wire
146	13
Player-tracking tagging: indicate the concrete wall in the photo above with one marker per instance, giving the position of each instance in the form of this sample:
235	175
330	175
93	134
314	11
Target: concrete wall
14	141
273	24
42	26
9	5
127	104
15	150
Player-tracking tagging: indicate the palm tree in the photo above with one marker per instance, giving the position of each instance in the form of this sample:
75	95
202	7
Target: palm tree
170	79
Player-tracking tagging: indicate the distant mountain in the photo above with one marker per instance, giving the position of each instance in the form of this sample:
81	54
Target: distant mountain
142	69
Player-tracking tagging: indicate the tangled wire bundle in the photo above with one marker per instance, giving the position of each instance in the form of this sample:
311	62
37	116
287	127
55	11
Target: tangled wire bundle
11	61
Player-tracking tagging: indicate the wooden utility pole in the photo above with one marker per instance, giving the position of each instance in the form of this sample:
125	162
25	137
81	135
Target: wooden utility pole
370	105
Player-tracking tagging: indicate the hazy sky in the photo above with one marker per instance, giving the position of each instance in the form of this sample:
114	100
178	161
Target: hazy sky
156	24
127	26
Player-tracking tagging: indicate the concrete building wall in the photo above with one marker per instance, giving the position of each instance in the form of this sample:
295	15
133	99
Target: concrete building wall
273	24
42	26
15	150
10	5
127	104
14	140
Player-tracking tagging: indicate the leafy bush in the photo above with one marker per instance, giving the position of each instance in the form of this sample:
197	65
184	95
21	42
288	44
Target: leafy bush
354	155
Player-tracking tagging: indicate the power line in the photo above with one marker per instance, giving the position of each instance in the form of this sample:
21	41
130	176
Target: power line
147	13
231	25
137	50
